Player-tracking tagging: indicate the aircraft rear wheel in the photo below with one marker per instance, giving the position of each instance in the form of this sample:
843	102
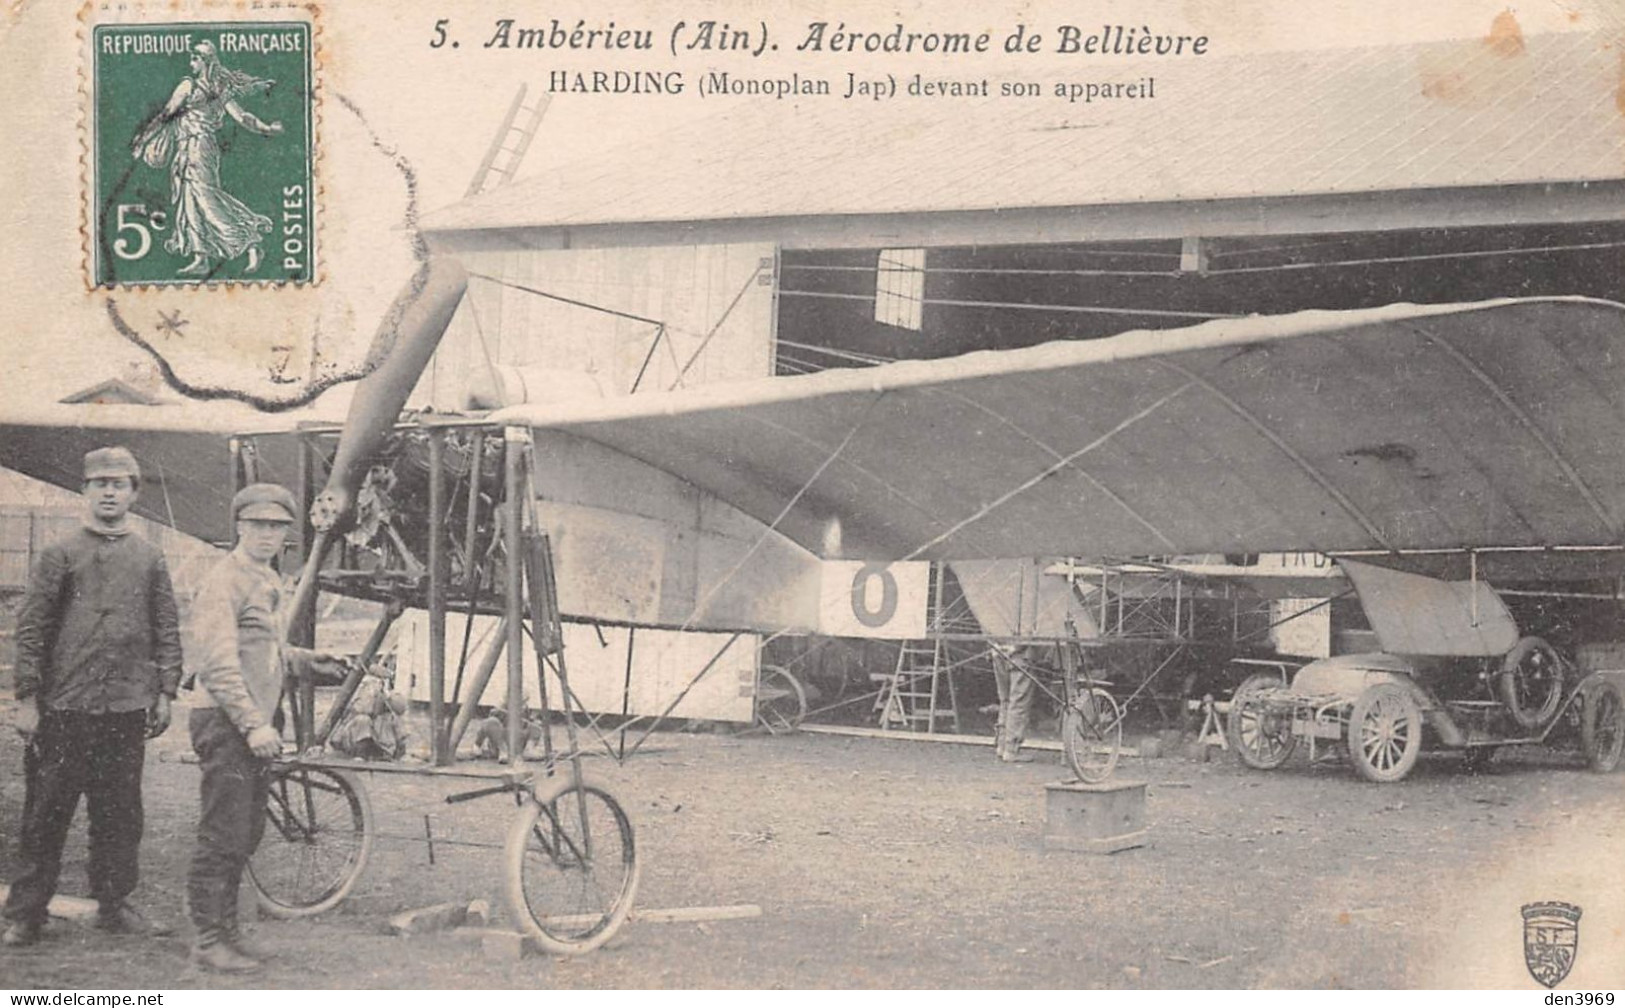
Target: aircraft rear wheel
318	835
1385	733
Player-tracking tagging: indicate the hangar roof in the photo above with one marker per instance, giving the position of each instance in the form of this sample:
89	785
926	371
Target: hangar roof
1465	113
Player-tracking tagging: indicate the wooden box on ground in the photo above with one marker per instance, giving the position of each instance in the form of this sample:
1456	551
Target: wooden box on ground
1094	818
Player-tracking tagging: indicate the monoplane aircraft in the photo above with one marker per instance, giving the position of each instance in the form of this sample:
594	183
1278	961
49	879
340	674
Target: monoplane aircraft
1482	440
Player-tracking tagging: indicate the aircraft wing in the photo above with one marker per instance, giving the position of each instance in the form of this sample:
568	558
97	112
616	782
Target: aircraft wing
183	450
1498	423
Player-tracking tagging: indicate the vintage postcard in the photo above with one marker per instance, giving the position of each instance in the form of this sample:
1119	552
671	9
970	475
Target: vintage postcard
1033	494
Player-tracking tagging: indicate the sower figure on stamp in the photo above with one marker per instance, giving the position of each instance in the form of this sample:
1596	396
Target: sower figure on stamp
240	662
98	661
209	223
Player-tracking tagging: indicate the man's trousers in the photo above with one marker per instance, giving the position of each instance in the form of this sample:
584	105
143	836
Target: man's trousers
231	820
73	753
1015	687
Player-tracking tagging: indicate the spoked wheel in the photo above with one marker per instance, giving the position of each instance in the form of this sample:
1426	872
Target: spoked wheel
1091	734
1385	733
1602	727
318	836
1261	737
1531	682
781	701
570	867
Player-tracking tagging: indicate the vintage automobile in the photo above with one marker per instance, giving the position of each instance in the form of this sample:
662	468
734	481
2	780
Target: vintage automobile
1453	673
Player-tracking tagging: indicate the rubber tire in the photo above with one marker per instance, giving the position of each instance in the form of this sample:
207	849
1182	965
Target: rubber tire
1506	683
1604	705
362	821
1072	740
1233	730
794	696
1372	701
562	789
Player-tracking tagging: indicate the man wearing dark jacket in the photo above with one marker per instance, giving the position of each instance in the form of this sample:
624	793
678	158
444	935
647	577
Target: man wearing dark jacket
98	661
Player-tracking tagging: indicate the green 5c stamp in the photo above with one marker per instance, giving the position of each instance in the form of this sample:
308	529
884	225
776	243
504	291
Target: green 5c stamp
202	154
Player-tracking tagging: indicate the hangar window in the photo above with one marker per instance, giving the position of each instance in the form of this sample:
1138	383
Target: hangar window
900	287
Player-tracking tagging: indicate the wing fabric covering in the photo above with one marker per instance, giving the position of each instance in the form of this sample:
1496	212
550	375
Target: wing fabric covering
186	470
1497	423
1415	614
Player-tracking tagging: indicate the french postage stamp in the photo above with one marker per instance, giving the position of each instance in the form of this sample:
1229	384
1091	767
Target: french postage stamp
202	153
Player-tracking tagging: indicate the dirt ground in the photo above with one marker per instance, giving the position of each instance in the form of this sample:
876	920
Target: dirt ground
882	863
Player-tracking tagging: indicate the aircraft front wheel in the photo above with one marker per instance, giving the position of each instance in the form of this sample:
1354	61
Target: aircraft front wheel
570	866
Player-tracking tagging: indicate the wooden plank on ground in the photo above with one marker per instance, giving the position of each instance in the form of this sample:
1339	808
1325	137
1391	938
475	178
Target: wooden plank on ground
674	915
65	907
1043	745
950	737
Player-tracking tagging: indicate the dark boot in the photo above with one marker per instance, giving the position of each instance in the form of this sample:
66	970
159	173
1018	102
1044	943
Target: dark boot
214	954
122	918
231	932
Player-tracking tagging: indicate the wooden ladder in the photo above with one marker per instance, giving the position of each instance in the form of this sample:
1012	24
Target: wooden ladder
918	691
508	147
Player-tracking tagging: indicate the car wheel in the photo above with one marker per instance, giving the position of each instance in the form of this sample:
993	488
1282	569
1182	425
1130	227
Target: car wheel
1385	733
1531	682
1261	737
1602	727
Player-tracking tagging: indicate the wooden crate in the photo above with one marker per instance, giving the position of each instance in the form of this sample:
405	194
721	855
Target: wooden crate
1094	818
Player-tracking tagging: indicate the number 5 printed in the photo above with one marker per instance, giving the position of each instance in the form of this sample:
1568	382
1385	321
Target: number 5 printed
125	221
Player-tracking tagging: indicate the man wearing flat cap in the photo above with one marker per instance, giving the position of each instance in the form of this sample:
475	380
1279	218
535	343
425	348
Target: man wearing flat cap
237	652
98	661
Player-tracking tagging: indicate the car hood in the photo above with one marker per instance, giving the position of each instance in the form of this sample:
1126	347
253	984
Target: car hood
1418	615
1348	675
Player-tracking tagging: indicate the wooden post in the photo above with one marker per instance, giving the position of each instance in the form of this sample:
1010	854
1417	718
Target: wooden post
437	598
626	689
471	523
1179	599
513	600
303	631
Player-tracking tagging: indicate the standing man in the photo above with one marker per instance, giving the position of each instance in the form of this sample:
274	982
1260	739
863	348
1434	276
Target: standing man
1012	676
239	658
98	662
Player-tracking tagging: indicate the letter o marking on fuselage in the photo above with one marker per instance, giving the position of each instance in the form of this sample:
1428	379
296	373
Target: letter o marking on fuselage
882	614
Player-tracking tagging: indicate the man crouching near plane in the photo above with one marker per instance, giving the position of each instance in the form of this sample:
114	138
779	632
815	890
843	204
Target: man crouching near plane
98	661
237	653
